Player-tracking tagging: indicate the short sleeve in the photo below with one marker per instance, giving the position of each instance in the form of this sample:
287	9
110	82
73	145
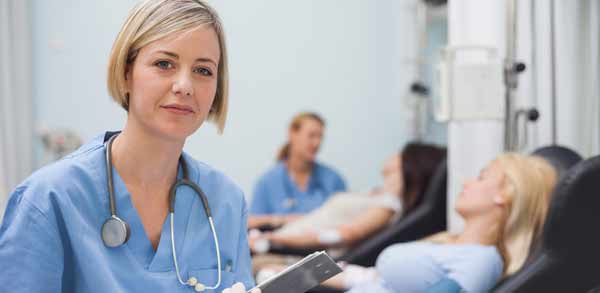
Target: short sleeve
260	199
481	272
340	184
445	285
31	252
407	267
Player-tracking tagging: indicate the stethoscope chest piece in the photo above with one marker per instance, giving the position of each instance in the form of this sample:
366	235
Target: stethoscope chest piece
115	232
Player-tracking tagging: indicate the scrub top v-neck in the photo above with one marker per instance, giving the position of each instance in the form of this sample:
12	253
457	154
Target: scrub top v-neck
50	236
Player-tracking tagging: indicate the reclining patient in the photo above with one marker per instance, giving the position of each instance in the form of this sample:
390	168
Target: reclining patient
504	210
347	218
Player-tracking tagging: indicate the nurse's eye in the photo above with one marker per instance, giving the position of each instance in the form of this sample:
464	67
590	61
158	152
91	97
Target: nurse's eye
162	64
204	71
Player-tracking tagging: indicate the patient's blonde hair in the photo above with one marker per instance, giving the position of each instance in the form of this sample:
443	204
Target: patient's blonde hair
151	20
528	183
529	186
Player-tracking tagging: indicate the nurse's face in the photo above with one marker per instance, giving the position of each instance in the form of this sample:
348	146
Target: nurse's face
306	141
172	83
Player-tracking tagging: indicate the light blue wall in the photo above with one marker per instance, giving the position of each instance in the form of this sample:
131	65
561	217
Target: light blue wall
345	59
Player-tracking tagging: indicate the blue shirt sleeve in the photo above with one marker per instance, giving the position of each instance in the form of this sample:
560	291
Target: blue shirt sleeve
260	199
243	272
445	285
413	267
31	250
340	184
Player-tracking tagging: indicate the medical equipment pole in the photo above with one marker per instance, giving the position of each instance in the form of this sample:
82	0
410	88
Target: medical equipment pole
474	142
553	70
533	62
510	77
420	108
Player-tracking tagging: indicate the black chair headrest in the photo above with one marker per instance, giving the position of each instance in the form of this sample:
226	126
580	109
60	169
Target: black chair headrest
569	253
574	212
436	186
562	158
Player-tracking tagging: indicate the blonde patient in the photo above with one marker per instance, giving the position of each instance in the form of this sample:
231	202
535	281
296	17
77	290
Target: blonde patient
504	210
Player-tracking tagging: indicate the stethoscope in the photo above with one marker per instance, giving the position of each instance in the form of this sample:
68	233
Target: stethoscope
115	231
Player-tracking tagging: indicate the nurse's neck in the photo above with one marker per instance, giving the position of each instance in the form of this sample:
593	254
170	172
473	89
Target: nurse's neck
297	165
299	171
145	160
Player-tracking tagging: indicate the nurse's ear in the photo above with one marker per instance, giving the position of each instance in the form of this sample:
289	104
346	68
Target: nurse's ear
128	74
129	64
128	85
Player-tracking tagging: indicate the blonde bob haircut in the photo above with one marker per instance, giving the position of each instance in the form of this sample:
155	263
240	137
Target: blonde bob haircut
151	20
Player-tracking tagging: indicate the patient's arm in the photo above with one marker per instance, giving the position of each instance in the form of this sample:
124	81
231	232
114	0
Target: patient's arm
352	276
369	222
335	282
270	220
302	240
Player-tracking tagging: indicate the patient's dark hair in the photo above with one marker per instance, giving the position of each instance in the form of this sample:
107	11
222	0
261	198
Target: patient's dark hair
419	163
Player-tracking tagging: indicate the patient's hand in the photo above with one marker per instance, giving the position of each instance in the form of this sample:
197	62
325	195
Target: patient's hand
271	221
336	282
258	241
376	190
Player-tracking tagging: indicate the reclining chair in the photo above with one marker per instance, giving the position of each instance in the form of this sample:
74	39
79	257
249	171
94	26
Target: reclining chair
596	289
560	157
568	255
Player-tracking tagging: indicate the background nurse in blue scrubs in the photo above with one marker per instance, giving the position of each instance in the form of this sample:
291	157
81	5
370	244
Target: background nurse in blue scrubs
168	70
297	184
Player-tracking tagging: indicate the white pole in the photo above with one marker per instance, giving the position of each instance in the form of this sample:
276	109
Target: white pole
473	143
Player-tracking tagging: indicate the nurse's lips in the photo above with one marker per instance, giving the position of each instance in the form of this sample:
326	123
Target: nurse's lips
178	109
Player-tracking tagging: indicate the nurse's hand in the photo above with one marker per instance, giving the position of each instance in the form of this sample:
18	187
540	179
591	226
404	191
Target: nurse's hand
239	288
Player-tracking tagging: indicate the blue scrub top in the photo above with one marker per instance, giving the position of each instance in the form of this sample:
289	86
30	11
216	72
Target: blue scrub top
50	238
276	192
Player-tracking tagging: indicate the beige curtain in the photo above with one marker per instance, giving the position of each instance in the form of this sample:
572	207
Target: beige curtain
16	125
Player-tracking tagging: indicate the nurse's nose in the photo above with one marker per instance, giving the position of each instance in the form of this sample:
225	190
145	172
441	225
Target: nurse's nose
182	86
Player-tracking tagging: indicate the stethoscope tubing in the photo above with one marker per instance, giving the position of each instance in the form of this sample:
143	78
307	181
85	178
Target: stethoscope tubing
172	195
